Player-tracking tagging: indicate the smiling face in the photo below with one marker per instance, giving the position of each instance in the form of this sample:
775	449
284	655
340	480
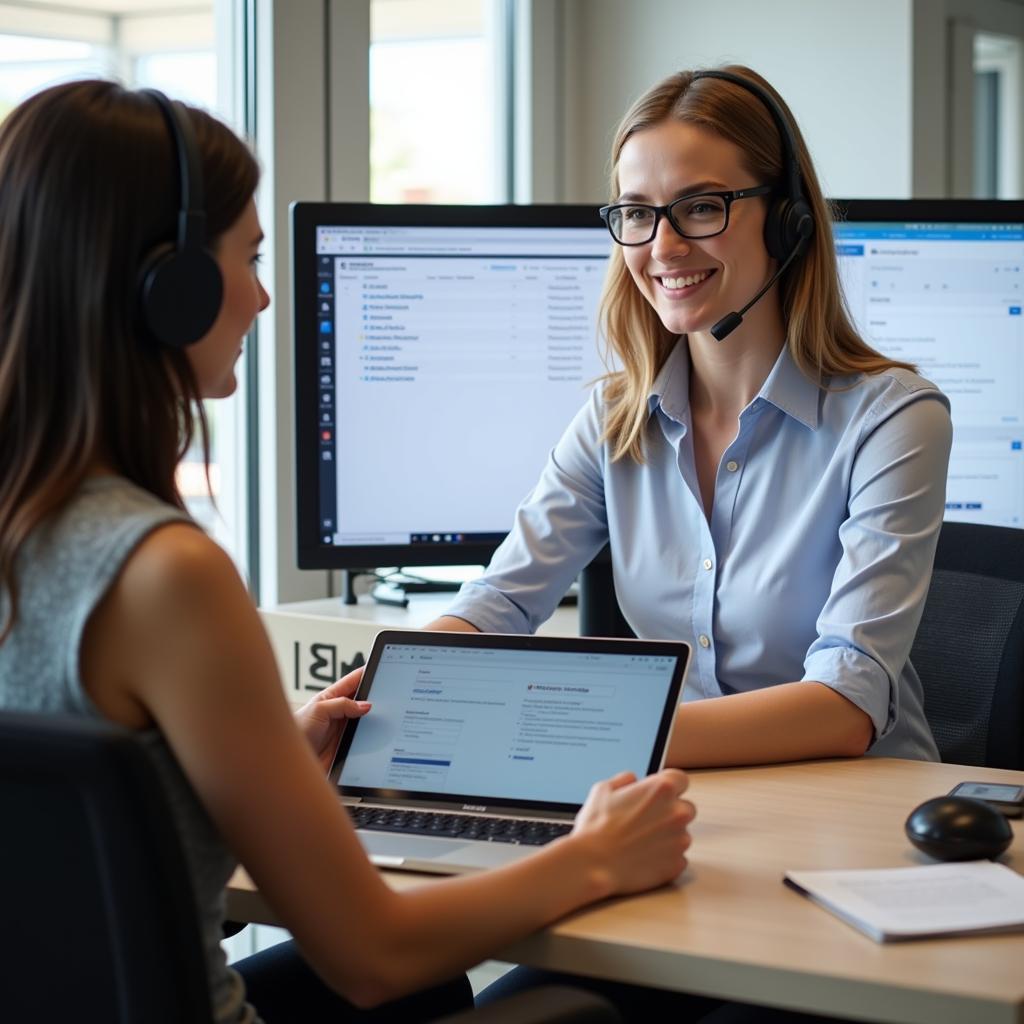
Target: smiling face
213	357
693	283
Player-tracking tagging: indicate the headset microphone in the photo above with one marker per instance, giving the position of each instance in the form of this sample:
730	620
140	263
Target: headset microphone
731	321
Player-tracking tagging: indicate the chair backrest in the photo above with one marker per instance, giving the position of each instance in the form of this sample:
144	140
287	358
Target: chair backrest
98	913
969	648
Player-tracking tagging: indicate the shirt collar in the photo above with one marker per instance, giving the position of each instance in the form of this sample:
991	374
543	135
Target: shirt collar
786	388
671	388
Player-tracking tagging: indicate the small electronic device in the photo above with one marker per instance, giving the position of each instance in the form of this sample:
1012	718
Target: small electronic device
1002	796
958	828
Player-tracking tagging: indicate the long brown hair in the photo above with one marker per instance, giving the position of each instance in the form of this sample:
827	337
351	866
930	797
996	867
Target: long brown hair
88	186
819	331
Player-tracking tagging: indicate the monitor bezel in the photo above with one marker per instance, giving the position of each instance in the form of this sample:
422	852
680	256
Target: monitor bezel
305	217
938	211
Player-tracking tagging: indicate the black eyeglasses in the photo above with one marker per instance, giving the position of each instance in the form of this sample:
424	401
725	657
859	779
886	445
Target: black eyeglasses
702	215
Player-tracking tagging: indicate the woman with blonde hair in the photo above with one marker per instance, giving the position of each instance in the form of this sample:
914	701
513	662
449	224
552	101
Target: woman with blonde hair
771	487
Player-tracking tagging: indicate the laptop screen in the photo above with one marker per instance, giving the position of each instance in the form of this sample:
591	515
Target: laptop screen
519	724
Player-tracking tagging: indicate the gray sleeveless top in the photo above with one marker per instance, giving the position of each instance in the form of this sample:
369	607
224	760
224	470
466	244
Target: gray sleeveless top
64	571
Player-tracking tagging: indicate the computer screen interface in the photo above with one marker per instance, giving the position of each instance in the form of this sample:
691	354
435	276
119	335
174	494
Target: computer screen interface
946	293
442	351
449	360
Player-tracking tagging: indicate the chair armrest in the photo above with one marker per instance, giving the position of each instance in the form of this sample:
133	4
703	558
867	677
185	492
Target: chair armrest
550	1004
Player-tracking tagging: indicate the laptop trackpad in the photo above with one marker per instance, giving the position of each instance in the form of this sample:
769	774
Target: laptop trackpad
441	855
408	847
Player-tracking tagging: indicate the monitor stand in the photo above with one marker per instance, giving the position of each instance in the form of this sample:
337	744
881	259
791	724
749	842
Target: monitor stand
348	584
599	613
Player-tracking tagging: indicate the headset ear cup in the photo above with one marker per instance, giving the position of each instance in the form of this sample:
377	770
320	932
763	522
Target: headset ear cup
775	229
181	294
799	222
789	223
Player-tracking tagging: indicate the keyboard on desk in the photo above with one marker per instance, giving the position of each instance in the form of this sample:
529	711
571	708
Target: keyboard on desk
459	826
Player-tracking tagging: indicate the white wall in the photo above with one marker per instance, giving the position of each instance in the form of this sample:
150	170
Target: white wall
844	69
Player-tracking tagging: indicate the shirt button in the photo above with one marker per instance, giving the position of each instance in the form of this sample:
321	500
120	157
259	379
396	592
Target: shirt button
732	465
703	641
707	563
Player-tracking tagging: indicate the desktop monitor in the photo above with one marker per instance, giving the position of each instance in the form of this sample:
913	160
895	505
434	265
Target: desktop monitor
940	283
441	351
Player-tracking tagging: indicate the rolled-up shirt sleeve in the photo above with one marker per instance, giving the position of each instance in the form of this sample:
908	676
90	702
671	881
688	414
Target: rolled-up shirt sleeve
896	504
558	528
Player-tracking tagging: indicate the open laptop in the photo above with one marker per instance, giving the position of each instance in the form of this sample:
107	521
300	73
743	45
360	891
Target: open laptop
480	747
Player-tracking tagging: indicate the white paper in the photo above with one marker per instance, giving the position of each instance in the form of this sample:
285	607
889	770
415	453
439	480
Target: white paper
939	899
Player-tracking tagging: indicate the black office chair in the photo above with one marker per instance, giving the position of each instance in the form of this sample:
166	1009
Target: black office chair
98	913
969	648
599	611
96	904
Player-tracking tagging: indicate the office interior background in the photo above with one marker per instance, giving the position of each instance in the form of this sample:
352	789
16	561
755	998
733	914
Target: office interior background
490	101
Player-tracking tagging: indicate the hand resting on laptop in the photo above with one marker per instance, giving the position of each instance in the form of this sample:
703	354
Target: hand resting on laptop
646	820
322	718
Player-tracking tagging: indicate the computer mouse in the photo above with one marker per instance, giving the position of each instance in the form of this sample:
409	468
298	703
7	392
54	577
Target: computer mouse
958	828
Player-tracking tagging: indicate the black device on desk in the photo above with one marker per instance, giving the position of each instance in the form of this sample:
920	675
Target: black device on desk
1007	799
958	828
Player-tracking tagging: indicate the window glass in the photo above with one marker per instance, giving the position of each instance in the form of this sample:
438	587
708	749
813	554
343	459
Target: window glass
29	63
435	97
997	167
188	76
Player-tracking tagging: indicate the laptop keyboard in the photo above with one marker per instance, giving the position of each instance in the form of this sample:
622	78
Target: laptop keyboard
459	826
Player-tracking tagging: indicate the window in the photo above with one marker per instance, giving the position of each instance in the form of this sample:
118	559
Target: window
437	95
996	120
28	63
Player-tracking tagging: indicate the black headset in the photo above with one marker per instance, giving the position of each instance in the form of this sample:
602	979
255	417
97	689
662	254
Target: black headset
180	283
790	220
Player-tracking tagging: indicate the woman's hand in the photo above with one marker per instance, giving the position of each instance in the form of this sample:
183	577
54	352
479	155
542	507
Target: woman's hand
637	831
322	719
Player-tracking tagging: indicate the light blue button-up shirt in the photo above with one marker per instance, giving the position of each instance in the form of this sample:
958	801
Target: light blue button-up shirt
815	564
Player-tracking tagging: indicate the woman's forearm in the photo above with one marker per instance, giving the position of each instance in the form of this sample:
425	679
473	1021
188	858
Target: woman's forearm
789	722
485	912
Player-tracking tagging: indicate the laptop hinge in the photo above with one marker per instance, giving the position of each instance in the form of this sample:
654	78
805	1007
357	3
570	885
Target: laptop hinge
451	807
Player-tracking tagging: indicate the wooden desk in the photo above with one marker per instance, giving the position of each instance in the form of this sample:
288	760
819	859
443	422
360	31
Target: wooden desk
730	928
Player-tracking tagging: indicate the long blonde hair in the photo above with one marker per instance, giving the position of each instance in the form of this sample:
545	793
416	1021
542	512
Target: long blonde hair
819	331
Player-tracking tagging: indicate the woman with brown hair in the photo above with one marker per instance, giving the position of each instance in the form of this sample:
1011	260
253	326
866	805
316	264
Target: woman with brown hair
129	243
771	487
